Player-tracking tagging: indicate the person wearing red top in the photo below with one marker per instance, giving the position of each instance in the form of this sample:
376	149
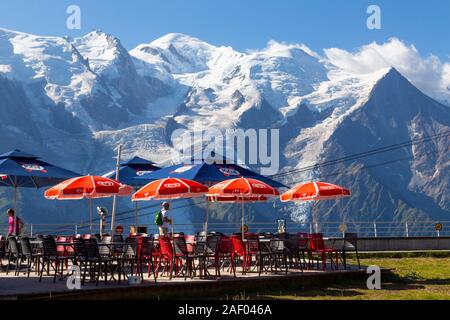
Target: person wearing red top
19	223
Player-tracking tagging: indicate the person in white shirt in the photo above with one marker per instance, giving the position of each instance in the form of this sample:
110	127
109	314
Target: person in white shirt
164	228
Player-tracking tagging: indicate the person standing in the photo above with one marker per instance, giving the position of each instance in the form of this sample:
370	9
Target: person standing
162	219
14	230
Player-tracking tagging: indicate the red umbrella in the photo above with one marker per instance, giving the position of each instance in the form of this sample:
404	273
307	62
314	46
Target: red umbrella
170	188
315	191
242	187
87	187
242	190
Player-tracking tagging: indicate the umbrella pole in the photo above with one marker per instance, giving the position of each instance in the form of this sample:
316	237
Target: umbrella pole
136	213
15	209
114	204
171	216
314	213
207	217
242	221
90	216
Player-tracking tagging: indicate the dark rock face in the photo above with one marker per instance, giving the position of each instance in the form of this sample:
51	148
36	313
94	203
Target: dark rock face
404	183
260	116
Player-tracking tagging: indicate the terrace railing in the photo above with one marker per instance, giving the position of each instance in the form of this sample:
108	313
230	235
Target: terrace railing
329	229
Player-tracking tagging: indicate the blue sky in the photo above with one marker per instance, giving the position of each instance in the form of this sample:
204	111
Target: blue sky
244	24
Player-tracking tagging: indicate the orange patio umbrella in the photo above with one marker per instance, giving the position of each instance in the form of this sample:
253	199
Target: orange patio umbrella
87	187
315	191
170	189
241	190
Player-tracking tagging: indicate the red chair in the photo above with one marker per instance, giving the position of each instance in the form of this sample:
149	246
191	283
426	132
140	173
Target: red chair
239	251
146	255
225	254
302	248
166	255
317	246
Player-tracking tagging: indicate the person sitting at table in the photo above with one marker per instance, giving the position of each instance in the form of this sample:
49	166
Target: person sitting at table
14	230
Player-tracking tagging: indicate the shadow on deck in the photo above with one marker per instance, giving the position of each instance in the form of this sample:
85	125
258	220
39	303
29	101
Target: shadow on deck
21	287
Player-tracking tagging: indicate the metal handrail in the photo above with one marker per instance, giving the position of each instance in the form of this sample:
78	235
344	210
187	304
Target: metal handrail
329	228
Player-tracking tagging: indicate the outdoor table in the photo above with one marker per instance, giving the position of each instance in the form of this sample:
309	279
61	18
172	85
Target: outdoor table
335	243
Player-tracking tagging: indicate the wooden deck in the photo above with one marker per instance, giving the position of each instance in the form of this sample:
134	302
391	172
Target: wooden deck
21	287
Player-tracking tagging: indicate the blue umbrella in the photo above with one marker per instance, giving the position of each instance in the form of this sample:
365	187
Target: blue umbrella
209	173
131	170
22	170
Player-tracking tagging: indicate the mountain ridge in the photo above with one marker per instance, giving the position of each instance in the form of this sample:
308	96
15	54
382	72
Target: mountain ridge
76	99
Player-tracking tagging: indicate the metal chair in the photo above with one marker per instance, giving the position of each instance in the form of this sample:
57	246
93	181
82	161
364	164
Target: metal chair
130	256
278	255
13	254
147	255
27	255
51	259
182	257
350	244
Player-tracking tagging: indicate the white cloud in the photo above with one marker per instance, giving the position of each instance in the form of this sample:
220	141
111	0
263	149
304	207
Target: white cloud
429	74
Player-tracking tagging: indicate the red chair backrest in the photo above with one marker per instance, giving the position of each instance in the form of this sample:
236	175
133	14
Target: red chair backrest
225	245
69	249
61	249
145	246
253	244
238	244
316	242
165	246
190	243
302	239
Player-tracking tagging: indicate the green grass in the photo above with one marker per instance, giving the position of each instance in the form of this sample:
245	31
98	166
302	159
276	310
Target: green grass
421	278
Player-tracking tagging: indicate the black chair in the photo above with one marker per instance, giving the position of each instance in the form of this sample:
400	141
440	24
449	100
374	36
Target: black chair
13	254
117	248
80	258
105	248
182	254
253	249
130	257
100	265
205	251
350	244
86	257
278	255
28	255
2	250
51	259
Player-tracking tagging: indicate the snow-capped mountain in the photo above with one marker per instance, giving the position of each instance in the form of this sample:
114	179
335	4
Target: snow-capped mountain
74	100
